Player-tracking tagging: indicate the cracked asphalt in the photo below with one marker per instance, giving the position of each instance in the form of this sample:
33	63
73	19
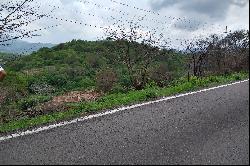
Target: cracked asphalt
211	127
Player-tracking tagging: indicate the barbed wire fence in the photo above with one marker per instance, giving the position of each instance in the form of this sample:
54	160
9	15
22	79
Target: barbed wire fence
119	22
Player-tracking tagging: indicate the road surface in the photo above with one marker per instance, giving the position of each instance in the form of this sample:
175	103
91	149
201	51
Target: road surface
211	127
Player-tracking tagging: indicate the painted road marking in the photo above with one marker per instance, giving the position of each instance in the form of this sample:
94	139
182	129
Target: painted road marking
29	132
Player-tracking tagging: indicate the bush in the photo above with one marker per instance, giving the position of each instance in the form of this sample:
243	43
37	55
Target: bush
151	84
32	101
150	94
237	77
124	78
161	75
105	80
74	73
118	88
57	80
82	84
28	103
87	82
94	61
213	79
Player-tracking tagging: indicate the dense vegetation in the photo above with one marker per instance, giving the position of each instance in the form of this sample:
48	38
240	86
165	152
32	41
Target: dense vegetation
120	99
76	65
109	68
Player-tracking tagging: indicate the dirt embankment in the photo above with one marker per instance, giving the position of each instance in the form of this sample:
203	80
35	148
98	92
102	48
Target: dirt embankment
58	103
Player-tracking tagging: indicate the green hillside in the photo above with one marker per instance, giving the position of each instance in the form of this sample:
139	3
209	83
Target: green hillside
19	46
78	77
79	65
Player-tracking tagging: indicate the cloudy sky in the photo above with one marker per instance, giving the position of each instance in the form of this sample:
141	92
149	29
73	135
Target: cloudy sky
177	20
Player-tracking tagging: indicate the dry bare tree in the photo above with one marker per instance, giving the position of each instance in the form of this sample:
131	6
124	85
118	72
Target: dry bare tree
15	16
137	50
238	46
197	51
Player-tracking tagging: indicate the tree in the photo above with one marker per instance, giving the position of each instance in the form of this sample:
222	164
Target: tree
229	53
196	57
137	50
238	46
15	16
217	53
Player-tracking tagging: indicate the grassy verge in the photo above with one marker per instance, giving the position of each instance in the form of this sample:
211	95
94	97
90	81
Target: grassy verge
120	99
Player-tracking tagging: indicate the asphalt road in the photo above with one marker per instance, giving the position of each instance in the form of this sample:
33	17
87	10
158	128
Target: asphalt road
206	128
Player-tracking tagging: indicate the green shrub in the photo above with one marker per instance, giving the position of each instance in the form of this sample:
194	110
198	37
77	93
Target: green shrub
32	101
213	79
151	84
28	103
57	80
86	82
237	77
125	80
74	74
151	94
118	88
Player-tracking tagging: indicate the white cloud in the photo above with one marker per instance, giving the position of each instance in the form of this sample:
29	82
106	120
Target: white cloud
233	16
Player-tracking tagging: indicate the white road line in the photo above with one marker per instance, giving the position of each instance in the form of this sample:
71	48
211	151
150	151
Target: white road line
28	132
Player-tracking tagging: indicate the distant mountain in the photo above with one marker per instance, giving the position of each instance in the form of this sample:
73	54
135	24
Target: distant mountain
22	47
